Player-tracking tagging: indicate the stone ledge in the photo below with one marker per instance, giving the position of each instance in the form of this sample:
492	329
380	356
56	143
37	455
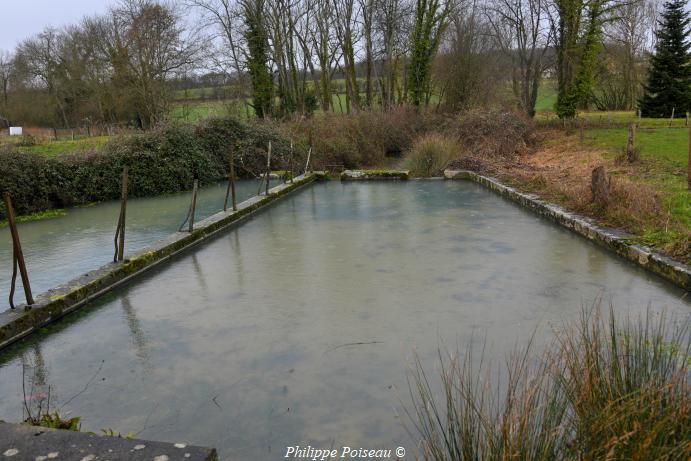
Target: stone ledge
364	175
59	301
612	239
30	443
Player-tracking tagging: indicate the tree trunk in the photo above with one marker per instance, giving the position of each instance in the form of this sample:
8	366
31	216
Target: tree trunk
600	187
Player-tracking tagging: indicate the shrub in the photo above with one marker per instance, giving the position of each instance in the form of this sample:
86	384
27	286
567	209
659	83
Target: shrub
163	160
430	155
494	134
607	390
363	139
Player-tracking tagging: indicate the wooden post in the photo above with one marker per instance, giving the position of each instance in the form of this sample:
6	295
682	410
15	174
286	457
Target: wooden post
671	119
309	154
268	168
291	161
194	204
17	252
123	213
687	118
689	166
231	183
631	154
600	186
55	133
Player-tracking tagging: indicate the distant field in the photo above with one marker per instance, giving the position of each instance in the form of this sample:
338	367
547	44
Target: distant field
546	96
53	148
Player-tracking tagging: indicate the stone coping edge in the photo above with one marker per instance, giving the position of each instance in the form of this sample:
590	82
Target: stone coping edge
24	442
364	175
612	239
63	299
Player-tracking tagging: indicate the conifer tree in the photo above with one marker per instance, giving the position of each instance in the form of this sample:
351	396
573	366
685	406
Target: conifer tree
669	80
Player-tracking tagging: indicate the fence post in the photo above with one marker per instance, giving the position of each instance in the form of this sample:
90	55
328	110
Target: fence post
268	168
231	183
631	154
291	161
194	204
671	119
18	255
120	230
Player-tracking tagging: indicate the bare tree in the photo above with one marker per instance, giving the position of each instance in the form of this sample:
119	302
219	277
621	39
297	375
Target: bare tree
346	13
226	17
628	35
157	48
522	32
6	66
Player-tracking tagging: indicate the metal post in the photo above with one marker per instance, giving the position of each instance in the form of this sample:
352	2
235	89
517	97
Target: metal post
268	168
309	154
291	161
17	252
194	204
231	184
123	212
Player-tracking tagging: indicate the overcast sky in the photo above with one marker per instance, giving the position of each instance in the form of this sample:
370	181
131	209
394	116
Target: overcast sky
20	19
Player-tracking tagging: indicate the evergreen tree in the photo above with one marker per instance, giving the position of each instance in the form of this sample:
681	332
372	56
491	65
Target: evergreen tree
669	81
258	58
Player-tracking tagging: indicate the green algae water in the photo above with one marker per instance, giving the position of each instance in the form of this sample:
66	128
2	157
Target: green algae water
297	327
59	249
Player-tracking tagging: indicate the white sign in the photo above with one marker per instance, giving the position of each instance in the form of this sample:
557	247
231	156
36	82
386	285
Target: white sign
15	131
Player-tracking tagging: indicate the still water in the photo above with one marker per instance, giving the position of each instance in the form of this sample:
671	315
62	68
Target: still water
297	327
59	249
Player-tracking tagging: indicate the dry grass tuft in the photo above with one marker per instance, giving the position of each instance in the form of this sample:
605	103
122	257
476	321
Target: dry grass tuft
430	155
606	390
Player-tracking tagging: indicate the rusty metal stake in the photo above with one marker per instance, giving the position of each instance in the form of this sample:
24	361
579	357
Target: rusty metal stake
18	255
194	204
268	169
231	184
291	162
120	230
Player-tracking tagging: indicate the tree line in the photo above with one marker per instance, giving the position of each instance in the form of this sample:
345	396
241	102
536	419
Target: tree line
288	58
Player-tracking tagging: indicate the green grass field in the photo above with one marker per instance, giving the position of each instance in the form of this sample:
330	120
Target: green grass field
52	148
665	149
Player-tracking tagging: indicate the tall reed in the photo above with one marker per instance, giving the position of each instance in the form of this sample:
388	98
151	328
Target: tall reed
607	389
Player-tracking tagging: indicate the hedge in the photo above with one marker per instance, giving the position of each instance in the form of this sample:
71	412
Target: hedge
160	161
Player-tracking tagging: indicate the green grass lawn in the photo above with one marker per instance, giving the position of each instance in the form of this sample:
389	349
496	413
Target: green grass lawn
546	96
665	150
52	148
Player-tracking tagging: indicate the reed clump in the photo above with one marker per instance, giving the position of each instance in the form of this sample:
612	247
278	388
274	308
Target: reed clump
430	155
606	390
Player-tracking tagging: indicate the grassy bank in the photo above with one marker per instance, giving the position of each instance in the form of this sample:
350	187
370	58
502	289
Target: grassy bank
650	198
606	389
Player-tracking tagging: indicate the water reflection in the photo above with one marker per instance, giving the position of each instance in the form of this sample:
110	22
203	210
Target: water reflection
296	327
59	249
136	331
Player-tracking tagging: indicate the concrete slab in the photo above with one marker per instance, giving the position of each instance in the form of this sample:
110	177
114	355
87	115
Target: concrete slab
20	442
363	175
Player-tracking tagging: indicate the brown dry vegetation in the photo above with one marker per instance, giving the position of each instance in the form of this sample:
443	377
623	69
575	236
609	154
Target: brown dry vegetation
549	162
559	171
